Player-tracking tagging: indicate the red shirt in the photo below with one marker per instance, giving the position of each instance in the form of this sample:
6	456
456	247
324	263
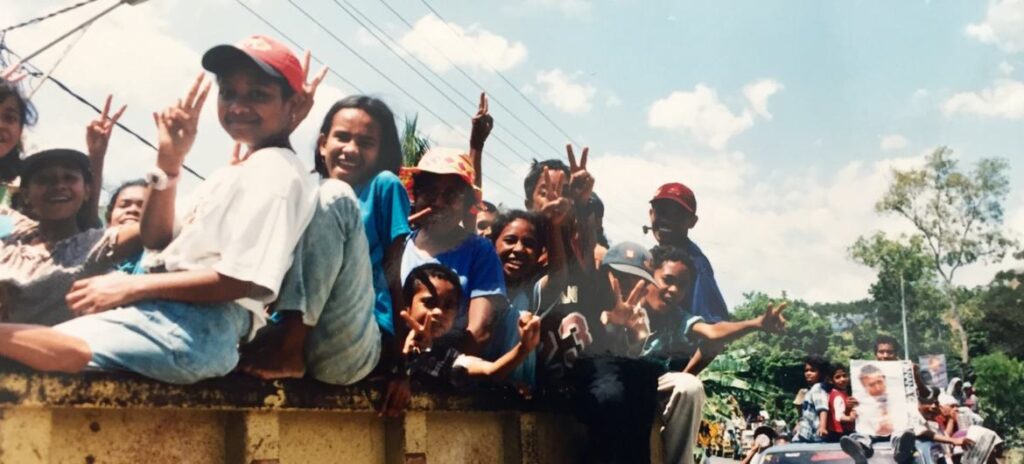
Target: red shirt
836	409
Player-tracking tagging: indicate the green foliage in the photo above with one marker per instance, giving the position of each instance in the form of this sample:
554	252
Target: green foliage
996	319
1000	389
414	144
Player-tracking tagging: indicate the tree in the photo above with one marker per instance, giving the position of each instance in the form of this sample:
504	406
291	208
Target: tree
997	320
414	144
959	216
1000	387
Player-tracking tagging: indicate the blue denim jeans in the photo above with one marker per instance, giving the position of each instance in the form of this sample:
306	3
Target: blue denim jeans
170	341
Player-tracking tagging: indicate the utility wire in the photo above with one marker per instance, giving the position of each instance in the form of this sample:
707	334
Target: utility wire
67	51
500	74
434	73
45	17
298	46
474	81
389	79
65	88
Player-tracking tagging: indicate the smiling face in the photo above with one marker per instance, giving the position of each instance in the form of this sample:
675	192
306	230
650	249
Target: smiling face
251	106
518	249
841	379
56	192
672	286
447	195
128	205
351	147
441	307
11	125
671	222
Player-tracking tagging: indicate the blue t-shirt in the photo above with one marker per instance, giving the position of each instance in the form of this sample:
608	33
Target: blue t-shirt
384	206
707	301
474	260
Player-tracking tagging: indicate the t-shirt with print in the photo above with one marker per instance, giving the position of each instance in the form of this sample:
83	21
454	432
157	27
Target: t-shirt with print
570	327
671	341
474	260
837	400
384	207
706	298
815	402
244	222
444	365
34	281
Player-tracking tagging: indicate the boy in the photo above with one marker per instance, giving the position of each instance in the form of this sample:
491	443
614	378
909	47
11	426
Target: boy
431	297
222	260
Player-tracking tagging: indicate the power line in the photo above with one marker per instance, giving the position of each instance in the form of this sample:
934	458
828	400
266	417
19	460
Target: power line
500	74
298	46
387	78
66	89
429	69
45	17
474	81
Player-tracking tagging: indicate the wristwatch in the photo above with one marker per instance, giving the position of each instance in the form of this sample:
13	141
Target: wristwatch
158	180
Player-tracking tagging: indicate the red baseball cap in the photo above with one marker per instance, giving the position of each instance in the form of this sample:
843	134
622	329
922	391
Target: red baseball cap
678	193
271	56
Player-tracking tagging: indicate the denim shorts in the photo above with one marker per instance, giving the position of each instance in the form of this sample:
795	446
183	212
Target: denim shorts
170	341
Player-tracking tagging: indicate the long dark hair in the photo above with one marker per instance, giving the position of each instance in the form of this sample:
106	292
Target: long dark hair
10	162
390	157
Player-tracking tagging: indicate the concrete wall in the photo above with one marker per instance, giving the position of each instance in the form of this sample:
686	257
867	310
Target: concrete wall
105	418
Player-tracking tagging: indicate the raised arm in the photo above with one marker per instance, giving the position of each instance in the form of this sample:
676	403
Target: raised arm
556	213
176	131
482	125
581	186
97	137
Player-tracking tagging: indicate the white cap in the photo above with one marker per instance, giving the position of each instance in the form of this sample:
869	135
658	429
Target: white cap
945	399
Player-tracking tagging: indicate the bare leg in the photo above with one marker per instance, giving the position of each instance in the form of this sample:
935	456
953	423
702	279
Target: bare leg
43	348
278	351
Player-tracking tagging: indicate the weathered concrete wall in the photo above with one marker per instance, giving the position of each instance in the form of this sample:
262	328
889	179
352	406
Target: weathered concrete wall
106	418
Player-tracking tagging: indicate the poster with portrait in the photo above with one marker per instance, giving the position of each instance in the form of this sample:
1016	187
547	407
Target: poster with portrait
933	370
886	394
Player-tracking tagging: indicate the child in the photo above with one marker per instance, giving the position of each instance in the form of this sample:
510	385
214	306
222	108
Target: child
126	206
431	297
16	112
812	424
444	195
520	238
208	286
842	418
40	265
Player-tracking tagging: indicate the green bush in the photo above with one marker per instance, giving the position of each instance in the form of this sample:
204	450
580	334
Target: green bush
1000	388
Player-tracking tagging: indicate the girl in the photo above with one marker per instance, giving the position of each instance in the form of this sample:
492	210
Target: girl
444	195
520	238
841	415
16	113
811	427
126	206
41	264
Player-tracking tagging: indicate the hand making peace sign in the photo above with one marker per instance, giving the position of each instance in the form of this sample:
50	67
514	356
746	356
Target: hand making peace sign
419	338
482	124
556	208
305	97
176	127
772	320
626	312
97	133
581	183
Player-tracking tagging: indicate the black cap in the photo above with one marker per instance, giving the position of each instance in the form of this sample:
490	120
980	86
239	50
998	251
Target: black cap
35	162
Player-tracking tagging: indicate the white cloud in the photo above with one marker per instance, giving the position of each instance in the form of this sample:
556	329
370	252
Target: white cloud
565	92
757	95
432	41
1005	68
1003	26
700	113
1005	99
892	142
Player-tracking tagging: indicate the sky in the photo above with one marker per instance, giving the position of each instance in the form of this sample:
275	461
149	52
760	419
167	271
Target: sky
785	117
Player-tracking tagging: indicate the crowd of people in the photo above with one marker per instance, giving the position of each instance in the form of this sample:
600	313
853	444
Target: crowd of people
828	412
365	270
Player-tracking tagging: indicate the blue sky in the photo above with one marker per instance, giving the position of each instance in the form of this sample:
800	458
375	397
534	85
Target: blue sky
785	116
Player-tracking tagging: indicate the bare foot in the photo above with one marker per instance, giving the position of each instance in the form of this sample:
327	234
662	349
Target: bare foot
277	352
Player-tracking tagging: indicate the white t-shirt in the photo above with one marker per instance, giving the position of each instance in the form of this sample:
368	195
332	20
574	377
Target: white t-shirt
244	222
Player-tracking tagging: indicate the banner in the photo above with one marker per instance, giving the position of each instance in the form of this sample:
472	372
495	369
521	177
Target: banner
887	396
933	370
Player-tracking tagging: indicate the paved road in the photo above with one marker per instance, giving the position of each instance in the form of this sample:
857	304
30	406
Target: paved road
718	460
